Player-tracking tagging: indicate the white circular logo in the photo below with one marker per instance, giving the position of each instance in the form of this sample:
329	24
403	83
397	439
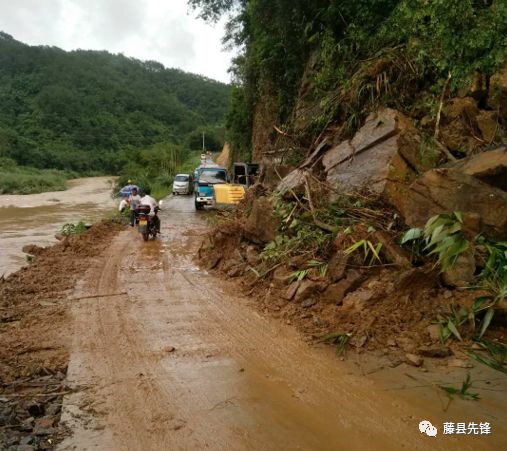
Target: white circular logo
425	427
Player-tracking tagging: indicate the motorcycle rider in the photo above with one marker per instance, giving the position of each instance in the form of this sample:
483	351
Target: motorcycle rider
146	199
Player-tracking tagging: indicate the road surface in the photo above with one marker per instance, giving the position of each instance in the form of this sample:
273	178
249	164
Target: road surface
168	357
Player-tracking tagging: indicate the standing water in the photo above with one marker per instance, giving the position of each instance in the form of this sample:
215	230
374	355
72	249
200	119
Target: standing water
36	218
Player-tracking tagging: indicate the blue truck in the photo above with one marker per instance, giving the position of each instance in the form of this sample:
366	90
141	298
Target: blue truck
206	176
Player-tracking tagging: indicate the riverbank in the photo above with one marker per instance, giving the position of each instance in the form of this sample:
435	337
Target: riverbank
35	218
34	318
16	179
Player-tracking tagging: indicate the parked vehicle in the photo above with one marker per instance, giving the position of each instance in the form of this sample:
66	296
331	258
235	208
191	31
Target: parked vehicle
208	176
229	194
244	173
146	224
183	184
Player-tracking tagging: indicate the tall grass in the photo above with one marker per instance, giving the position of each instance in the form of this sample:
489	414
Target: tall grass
16	179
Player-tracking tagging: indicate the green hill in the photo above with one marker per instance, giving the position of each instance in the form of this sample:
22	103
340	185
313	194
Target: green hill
90	111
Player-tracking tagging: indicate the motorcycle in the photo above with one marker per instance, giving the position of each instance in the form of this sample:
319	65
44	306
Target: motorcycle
146	224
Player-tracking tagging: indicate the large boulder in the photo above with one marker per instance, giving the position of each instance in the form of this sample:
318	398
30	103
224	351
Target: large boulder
260	226
384	156
475	187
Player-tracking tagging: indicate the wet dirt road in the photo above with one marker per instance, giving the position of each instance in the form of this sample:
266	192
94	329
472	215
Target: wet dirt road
167	357
35	218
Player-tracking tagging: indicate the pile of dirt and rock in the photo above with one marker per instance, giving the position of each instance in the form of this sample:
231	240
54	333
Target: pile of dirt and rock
33	354
397	302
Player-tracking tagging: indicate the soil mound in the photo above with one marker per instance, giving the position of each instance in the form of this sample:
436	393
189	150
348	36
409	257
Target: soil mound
33	355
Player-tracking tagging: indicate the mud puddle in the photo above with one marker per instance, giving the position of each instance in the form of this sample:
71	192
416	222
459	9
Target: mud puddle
35	218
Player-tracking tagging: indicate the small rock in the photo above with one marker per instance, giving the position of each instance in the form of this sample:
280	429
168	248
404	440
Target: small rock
360	342
406	343
462	272
169	349
306	290
357	300
281	276
252	256
291	291
447	294
413	359
394	252
309	302
337	266
459	363
336	292
235	271
435	351
434	331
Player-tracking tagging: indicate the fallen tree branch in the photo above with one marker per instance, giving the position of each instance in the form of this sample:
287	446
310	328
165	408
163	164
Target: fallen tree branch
445	150
440	106
318	223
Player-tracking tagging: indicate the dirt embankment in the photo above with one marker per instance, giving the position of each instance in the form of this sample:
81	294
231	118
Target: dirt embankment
33	344
394	310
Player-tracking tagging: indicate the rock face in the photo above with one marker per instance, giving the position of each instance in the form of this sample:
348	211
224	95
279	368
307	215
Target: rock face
260	226
383	156
475	187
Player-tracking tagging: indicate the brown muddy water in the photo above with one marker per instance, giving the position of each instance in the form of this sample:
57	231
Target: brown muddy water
36	218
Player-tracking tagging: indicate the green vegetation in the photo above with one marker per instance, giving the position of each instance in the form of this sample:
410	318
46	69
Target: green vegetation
16	179
443	236
96	113
368	248
492	354
73	229
463	392
339	339
337	59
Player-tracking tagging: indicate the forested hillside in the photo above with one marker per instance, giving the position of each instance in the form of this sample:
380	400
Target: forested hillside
93	112
306	65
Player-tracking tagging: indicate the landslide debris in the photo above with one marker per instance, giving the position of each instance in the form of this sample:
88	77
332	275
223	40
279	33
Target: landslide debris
33	353
320	245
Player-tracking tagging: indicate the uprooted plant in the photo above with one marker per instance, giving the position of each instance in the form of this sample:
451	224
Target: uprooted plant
462	392
492	354
339	339
443	236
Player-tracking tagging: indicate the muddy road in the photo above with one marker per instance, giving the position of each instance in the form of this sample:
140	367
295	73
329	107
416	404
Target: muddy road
35	218
167	357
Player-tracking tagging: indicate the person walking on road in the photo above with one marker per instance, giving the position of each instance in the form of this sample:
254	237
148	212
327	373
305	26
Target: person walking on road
134	200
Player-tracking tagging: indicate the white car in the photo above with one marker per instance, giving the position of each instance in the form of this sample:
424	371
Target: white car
183	184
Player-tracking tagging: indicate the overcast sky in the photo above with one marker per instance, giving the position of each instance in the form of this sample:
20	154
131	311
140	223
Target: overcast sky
162	30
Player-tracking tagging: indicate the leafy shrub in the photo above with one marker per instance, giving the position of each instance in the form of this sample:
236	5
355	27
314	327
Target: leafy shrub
73	229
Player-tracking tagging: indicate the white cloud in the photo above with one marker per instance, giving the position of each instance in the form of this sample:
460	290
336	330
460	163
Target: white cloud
161	30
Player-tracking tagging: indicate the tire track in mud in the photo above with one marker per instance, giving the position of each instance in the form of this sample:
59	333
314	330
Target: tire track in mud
236	380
